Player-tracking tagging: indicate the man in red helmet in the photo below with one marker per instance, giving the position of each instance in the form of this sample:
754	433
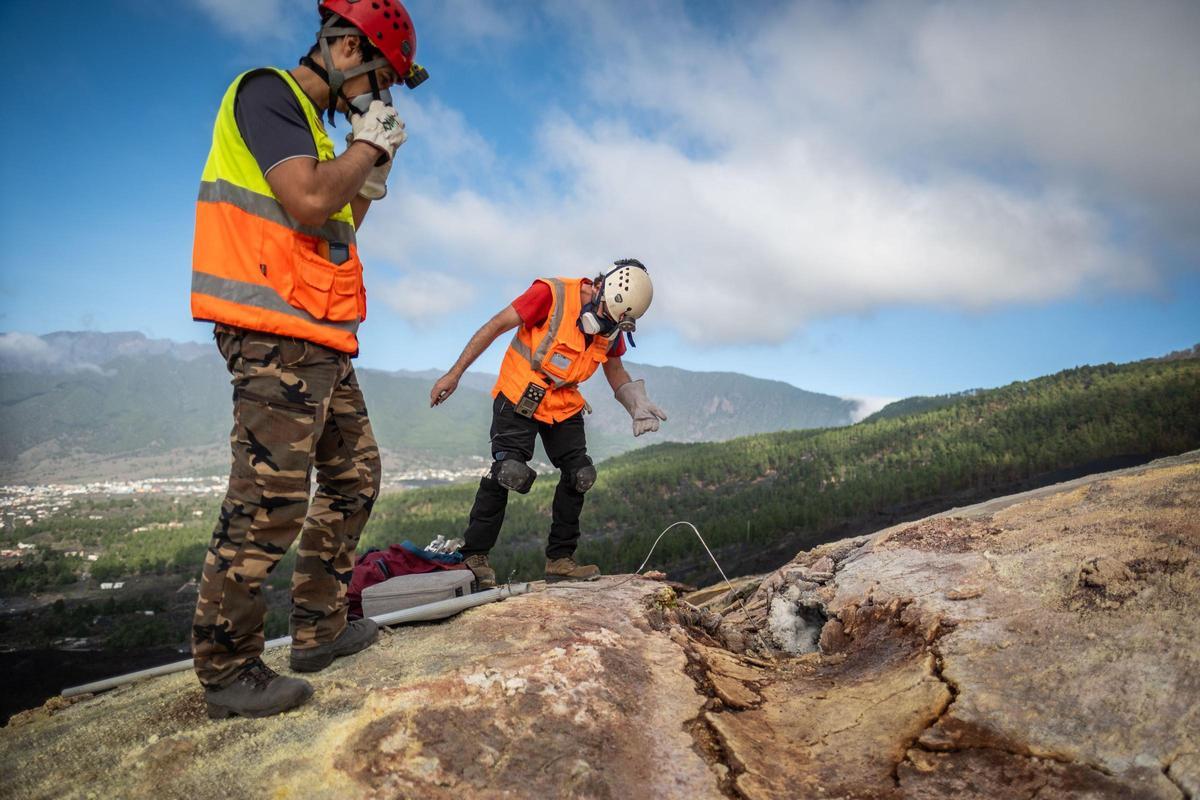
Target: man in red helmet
276	268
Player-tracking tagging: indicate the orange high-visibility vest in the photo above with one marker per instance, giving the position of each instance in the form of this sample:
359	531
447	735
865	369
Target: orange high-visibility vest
253	265
555	355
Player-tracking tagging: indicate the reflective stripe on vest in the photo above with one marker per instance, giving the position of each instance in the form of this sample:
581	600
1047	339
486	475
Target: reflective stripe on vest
554	354
254	265
535	358
222	191
264	297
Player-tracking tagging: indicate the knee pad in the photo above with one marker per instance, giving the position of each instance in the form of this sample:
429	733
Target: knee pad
513	474
583	478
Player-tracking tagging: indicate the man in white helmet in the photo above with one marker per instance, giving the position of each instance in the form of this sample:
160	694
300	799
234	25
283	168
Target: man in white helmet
566	329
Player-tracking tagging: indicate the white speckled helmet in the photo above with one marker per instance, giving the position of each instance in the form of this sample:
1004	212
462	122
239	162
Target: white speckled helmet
626	292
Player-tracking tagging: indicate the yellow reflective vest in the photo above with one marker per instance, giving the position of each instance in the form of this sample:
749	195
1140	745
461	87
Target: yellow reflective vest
253	265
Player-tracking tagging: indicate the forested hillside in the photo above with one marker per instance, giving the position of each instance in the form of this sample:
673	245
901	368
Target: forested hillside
917	404
763	497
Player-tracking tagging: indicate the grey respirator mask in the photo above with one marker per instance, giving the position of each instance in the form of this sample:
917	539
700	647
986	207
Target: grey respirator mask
360	103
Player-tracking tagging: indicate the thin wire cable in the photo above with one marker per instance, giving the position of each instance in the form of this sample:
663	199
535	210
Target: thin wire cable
646	561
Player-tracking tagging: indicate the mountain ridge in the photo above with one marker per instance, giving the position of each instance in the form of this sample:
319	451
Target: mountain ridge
75	405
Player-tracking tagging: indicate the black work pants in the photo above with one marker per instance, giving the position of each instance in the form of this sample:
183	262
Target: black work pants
513	437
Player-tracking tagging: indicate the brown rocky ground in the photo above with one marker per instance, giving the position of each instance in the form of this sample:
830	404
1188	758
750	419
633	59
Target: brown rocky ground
1043	646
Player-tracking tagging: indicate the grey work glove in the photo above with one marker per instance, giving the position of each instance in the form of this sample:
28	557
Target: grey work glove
645	414
375	186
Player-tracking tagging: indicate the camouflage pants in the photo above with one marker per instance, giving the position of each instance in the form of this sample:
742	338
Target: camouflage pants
296	406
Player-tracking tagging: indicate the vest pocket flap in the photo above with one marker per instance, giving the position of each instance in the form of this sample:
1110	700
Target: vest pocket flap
346	283
327	290
316	272
561	361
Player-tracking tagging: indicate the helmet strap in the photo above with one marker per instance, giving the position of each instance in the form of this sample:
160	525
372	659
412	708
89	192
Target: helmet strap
336	78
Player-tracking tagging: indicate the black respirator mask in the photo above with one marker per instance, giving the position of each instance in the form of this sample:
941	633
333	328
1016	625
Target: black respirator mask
594	320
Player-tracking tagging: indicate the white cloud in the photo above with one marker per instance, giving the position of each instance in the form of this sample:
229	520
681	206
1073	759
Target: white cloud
422	296
827	159
442	148
866	406
255	19
758	243
29	352
472	22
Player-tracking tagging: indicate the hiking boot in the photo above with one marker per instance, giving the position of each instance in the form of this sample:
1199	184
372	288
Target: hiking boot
358	635
258	691
565	569
485	576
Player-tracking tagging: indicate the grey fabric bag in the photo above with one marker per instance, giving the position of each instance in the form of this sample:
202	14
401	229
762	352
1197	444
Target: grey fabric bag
408	591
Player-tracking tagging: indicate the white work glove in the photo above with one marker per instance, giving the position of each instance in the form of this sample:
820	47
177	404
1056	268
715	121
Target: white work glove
375	186
381	126
645	414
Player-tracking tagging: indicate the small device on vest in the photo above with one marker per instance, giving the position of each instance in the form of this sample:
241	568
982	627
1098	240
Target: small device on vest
530	400
333	252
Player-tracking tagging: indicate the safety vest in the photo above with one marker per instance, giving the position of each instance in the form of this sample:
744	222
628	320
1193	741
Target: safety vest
253	265
555	355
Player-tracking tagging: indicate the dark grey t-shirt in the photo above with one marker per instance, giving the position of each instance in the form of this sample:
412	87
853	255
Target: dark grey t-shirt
271	121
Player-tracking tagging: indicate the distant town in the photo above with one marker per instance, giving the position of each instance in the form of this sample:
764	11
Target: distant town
25	506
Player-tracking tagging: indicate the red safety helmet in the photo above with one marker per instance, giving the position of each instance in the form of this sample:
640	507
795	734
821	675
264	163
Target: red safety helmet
387	26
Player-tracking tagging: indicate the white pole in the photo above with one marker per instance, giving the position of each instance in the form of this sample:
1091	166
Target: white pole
430	611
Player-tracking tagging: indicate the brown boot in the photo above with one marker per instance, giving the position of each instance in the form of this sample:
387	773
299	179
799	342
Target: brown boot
258	691
565	569
485	576
357	635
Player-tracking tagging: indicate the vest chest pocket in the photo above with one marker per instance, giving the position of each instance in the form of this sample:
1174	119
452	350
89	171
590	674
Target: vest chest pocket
568	364
324	289
561	362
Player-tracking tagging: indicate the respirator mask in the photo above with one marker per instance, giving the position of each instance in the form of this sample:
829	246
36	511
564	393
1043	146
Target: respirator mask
360	103
595	321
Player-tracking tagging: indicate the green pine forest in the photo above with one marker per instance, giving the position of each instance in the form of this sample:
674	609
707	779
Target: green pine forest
760	499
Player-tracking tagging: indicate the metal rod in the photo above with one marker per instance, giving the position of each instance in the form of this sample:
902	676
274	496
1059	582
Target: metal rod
430	611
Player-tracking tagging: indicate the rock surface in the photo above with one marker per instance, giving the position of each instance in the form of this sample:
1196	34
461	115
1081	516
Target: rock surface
1046	645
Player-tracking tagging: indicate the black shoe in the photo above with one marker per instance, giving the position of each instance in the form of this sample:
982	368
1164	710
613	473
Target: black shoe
258	691
358	635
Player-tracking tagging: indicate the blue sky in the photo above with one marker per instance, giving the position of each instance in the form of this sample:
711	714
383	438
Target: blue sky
868	199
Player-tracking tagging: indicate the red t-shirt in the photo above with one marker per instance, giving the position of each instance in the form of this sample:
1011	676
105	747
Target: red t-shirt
534	306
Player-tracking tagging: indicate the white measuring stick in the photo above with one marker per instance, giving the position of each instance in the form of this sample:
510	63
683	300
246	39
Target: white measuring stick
430	611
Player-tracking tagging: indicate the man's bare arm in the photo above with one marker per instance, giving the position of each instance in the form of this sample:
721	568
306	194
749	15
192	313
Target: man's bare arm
505	320
359	206
312	191
616	373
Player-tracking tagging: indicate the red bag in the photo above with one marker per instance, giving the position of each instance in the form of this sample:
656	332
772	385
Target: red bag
377	566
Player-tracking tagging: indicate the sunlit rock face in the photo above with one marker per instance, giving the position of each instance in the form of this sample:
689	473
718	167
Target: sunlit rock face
1043	645
1047	642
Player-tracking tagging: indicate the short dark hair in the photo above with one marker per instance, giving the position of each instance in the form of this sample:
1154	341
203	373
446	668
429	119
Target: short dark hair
369	50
